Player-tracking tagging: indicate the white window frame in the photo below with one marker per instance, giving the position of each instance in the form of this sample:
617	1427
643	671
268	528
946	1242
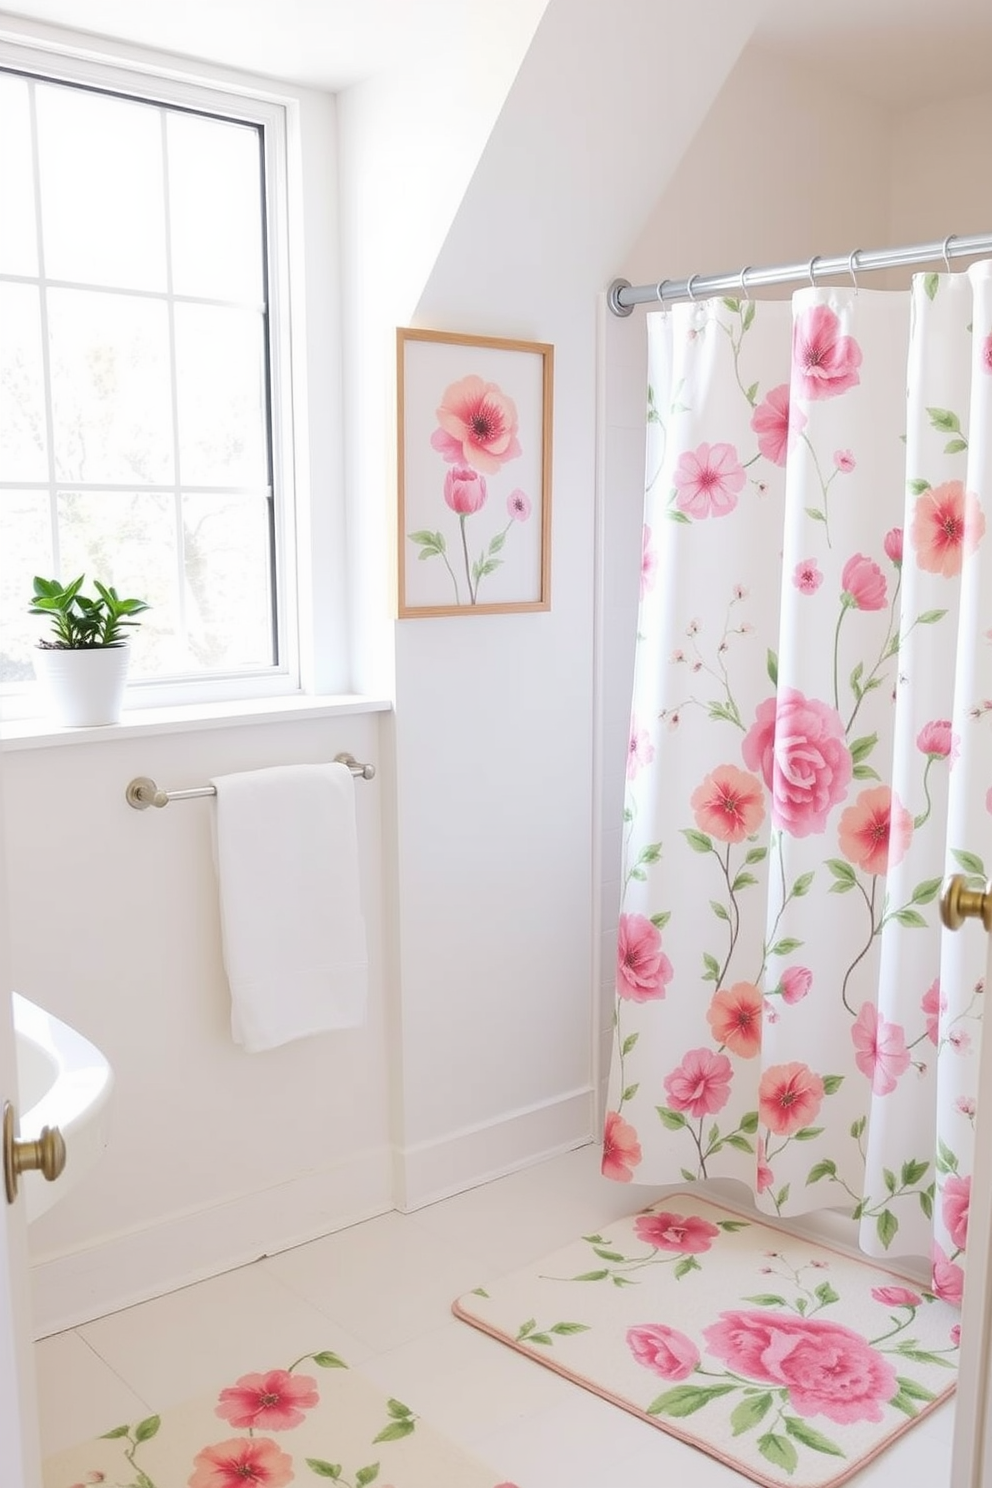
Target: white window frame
314	659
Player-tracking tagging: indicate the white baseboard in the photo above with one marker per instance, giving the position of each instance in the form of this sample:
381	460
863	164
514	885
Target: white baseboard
428	1171
77	1286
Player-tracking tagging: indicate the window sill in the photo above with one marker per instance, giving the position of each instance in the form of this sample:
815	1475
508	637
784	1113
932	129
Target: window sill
38	733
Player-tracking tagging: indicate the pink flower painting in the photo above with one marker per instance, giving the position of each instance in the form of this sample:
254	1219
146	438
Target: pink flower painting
937	740
518	505
700	1085
863	584
824	362
734	1015
686	1234
464	490
621	1149
776	425
948	524
795	982
268	1402
955	1201
807	576
478	425
242	1462
798	746
643	969
730	804
708	480
663	1350
880	1049
875	832
789	1098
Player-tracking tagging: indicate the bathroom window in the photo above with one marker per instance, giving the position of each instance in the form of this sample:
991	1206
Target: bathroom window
145	400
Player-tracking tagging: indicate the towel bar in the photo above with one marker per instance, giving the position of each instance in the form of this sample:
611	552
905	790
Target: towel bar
143	792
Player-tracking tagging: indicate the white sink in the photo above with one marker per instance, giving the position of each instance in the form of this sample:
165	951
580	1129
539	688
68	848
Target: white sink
63	1080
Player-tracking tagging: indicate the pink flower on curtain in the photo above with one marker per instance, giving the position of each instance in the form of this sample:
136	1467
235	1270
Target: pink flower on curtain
947	1279
948	525
896	1296
478	425
764	1177
621	1149
796	982
987	353
649	562
240	1461
881	1049
863	584
663	1350
875	832
824	363
932	1006
734	1015
844	461
828	1369
700	1084
776	424
955	1200
268	1402
640	751
688	1234
893	546
807	576
937	741
729	804
643	969
707	480
464	489
789	1097
798	745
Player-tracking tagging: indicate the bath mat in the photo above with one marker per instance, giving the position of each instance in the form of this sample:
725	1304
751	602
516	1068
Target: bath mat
791	1363
315	1421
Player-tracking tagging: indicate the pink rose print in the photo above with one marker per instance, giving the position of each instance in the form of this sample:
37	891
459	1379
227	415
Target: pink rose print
700	1084
776	425
518	506
796	982
649	562
828	1369
937	741
932	1006
844	461
643	969
664	1350
464	490
621	1149
789	1097
881	1049
947	1279
687	1234
707	480
765	1176
807	576
955	1201
863	584
896	1296
242	1460
268	1402
948	525
729	804
798	746
893	546
478	426
734	1015
875	832
824	363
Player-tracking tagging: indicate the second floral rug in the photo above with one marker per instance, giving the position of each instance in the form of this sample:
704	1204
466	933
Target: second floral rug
789	1362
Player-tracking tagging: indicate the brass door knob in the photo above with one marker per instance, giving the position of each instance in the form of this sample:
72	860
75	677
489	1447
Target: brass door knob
959	903
46	1155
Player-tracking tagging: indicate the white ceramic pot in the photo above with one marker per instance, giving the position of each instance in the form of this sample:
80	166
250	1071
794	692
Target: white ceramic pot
86	687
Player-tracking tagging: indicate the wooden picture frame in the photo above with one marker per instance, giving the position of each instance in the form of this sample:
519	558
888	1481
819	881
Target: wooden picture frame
474	474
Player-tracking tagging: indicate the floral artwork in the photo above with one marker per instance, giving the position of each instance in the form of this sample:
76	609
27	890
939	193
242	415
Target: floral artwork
475	463
789	1362
809	754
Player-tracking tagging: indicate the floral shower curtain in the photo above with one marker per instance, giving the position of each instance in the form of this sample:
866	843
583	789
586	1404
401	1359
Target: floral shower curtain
810	751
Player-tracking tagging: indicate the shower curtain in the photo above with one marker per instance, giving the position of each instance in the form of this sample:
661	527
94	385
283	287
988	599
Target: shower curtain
810	751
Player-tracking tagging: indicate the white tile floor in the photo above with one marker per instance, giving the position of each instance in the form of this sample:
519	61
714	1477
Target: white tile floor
379	1295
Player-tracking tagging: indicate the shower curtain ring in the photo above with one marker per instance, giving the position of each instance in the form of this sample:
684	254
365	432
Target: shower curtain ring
810	267
688	286
745	293
659	291
850	269
944	253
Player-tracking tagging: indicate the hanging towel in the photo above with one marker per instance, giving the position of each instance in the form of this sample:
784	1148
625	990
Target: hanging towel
295	953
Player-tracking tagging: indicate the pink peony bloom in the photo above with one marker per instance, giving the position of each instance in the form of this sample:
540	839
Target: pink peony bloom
643	969
687	1234
464	490
729	804
881	1049
796	982
947	1279
649	562
948	525
844	461
789	1097
932	1006
875	832
828	1369
518	505
268	1402
937	741
664	1350
798	746
621	1149
764	1176
240	1461
863	584
807	577
955	1201
824	363
776	425
734	1015
700	1084
478	425
893	545
896	1296
707	480
640	751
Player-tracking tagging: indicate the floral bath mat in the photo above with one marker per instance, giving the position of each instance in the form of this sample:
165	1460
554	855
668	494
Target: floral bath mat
791	1363
313	1422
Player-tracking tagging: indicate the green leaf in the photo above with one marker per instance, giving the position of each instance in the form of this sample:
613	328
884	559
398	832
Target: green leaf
366	1475
912	1172
767	1299
945	420
719	910
782	1195
676	516
832	1083
688	1176
651	853
685	1400
901	1401
808	1133
862	772
630	1092
920	1356
886	1226
917	487
712	966
749	1413
476	1292
779	1451
747	323
328	1360
732	305
330	1470
857	1127
674	1120
398	1409
684	1266
698	841
733	1225
629	1042
804	1433
659	921
756	855
535	1338
926	891
889	1179
826	1294
606	1255
969	862
740	1144
955	446
118	1430
145	1430
395	1431
566	1329
526	1328
785	946
842	871
815	513
771	666
744	880
802	885
946	1155
592	1276
913	1390
911	918
497	542
827	1168
930	617
926	1203
861	748
749	1123
931	283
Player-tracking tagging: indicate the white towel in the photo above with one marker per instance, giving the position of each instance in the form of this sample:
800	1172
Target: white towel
293	935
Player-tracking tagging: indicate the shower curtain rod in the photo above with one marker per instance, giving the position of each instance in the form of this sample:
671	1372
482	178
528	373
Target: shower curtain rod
623	296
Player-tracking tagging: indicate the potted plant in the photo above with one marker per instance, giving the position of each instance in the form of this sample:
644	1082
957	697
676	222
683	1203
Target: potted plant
83	666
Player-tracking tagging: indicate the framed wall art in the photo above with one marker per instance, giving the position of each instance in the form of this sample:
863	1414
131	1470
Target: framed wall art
474	468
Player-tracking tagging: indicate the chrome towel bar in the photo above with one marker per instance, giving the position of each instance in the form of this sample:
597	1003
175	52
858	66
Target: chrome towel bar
142	792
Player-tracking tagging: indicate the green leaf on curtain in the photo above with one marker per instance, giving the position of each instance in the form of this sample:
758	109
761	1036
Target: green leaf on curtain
659	921
785	946
782	1195
931	283
639	875
862	748
767	1299
674	515
808	1133
815	513
747	1415
890	1179
689	1178
674	1120
749	315
955	446
724	712
592	1276
651	853
832	1083
749	1122
779	1451
825	1169
926	891
970	862
771	666
698	841
911	918
930	617
752	392
917	487
946	1156
844	875
743	881
630	1092
858	1127
566	1329
926	1202
912	1172
886	1226
687	1264
719	910
733	1225
629	1042
804	1433
865	772
732	305
945	420
802	885
740	1144
756	855
712	968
